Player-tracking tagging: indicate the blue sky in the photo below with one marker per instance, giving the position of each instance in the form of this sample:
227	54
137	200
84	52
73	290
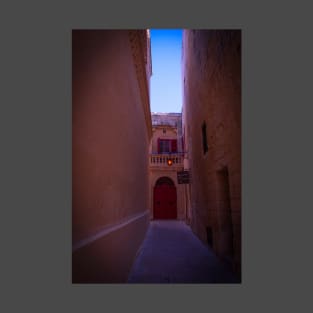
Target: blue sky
166	85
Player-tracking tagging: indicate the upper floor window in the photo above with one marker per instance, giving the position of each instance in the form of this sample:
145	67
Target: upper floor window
164	146
167	145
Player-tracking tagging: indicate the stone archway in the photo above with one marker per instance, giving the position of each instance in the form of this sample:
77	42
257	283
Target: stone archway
164	199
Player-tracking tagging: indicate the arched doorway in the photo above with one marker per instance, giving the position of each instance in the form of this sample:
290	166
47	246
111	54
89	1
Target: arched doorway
164	199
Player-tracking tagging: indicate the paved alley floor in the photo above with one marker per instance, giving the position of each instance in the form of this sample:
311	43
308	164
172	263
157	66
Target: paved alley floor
171	253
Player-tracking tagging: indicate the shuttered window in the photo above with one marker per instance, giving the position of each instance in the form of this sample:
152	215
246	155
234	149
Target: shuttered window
174	145
167	145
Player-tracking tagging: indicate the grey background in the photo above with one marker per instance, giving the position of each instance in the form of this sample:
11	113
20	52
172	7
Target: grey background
35	73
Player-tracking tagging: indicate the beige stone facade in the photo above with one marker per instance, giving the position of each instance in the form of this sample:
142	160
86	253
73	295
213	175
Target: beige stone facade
211	115
166	127
111	133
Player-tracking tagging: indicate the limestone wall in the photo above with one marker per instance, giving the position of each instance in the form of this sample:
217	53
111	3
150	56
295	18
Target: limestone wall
211	67
111	131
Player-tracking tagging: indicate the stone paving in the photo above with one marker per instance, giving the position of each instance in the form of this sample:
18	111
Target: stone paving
171	253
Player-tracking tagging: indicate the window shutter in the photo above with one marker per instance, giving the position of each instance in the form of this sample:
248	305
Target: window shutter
158	145
174	145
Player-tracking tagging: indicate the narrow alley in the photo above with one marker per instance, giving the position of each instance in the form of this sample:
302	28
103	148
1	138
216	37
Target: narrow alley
156	195
171	253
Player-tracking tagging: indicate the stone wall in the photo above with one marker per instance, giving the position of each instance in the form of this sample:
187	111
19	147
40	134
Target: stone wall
211	66
111	132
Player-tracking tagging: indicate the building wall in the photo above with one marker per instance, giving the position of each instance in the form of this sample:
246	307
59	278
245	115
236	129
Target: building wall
170	133
211	65
111	132
170	123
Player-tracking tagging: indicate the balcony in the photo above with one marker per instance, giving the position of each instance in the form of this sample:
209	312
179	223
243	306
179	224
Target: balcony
160	159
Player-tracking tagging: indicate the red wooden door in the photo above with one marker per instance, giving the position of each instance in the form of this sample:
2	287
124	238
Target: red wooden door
165	203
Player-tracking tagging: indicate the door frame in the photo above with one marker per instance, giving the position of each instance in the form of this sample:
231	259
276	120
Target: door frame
159	182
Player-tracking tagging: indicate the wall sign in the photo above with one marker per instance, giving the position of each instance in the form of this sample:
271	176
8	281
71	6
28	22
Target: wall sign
183	177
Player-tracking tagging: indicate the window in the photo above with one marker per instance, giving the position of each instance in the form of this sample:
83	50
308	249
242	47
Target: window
183	140
164	146
167	145
204	139
174	145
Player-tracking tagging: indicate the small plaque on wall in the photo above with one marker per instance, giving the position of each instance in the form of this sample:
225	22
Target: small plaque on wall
183	177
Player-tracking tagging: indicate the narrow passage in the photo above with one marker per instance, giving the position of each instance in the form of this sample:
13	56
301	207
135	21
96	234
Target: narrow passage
171	253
